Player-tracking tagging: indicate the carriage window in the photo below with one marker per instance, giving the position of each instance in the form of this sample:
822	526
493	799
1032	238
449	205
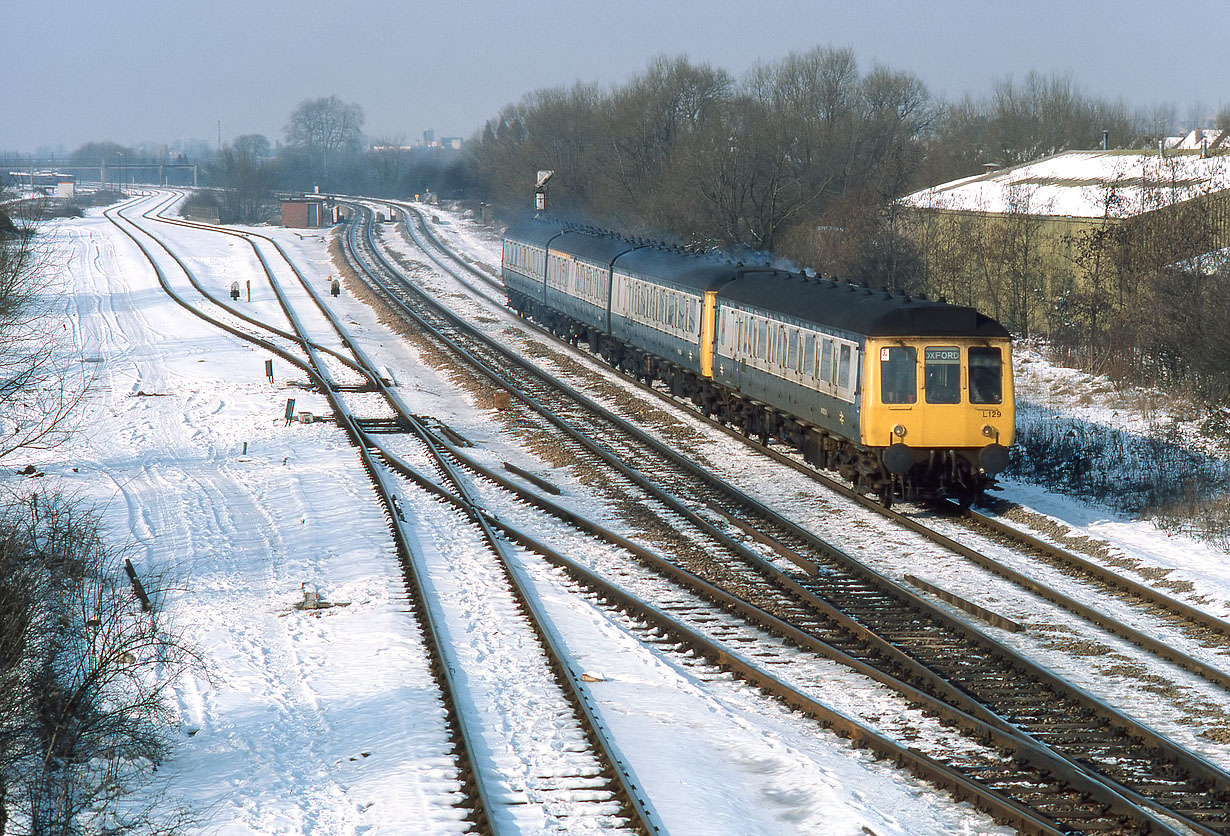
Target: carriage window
898	374
792	357
986	376
809	353
826	362
942	374
843	372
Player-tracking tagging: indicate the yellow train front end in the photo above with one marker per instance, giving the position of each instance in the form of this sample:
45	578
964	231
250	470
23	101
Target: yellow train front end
939	411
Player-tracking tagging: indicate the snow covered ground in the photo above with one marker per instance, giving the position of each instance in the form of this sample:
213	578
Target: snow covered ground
327	722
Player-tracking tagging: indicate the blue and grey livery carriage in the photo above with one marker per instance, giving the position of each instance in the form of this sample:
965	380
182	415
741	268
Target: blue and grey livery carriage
905	397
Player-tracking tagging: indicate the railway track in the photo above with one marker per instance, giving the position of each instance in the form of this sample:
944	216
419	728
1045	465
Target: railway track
584	784
1199	625
1195	639
994	677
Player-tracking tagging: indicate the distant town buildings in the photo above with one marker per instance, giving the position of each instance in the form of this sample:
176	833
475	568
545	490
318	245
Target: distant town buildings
429	141
51	183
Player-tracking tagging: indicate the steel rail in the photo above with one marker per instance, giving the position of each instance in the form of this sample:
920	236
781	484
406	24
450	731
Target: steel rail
1190	762
476	784
641	813
1151	595
504	382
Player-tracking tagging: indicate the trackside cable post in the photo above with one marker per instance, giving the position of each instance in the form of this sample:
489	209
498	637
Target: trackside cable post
146	606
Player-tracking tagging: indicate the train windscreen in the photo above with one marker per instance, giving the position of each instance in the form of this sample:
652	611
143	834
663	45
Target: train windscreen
986	375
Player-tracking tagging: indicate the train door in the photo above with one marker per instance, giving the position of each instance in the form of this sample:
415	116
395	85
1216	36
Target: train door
963	391
709	331
942	419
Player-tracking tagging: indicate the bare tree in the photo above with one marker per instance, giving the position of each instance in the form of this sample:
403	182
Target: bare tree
110	153
252	147
1044	115
643	127
247	180
389	162
39	383
323	128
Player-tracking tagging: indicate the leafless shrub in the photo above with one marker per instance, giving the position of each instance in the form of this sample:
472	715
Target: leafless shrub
1154	475
86	675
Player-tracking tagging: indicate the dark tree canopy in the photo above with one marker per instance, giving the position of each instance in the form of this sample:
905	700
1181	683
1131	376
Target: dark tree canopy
111	153
325	125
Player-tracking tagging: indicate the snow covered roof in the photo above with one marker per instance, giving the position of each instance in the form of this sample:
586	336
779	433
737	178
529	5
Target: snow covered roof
1083	184
1210	139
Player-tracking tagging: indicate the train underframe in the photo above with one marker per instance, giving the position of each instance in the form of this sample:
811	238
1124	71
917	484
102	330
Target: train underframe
954	474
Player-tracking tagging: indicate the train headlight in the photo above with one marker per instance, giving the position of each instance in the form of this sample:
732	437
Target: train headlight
989	431
899	431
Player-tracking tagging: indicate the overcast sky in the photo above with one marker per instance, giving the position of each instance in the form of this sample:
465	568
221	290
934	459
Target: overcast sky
166	70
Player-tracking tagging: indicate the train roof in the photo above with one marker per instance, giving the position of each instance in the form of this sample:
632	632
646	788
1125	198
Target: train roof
577	241
601	249
533	231
638	257
856	308
829	302
696	273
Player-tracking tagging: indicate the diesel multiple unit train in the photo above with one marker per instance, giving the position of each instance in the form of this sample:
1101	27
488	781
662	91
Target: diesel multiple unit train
904	397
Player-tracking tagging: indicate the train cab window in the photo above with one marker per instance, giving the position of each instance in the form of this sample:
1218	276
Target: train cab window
942	374
898	374
986	375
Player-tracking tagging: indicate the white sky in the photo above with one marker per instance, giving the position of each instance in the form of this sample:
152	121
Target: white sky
165	70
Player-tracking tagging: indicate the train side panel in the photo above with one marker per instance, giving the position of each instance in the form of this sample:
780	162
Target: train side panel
792	365
524	262
661	318
579	278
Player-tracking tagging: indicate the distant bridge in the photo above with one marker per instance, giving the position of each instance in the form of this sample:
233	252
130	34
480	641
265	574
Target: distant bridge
123	171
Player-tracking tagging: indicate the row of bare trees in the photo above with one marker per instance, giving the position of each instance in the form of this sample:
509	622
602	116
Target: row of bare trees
804	157
325	148
685	149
